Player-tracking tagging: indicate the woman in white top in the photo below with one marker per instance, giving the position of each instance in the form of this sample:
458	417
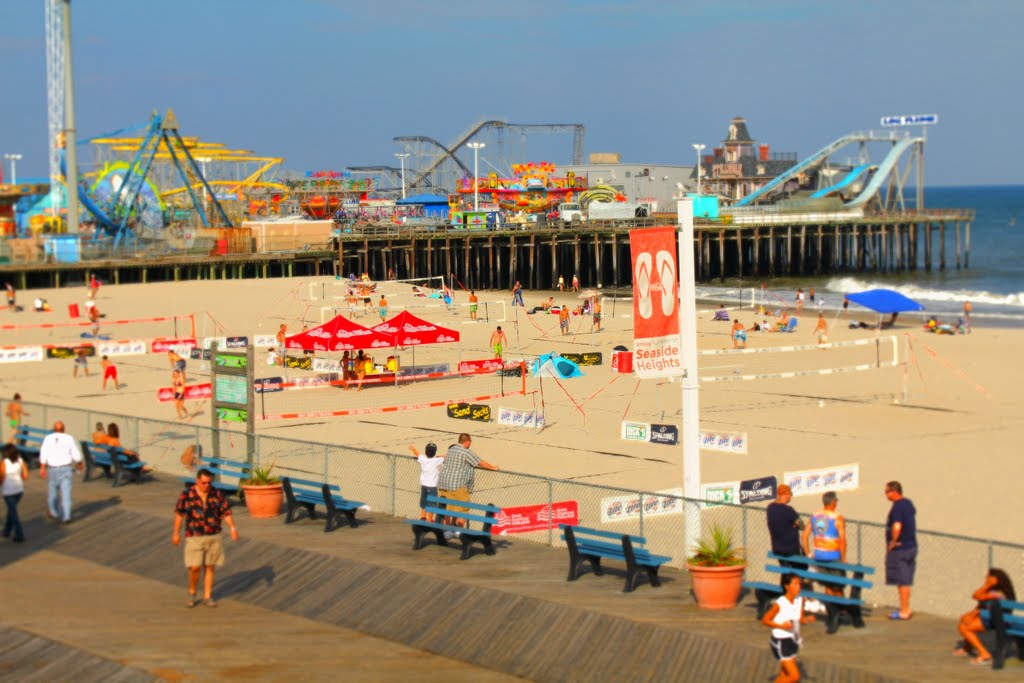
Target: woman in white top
13	473
784	618
430	470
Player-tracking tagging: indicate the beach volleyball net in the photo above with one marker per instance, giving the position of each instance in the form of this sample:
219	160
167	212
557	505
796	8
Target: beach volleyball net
80	330
333	394
337	289
798	360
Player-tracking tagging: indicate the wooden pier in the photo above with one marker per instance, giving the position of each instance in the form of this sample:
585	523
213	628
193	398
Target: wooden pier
765	246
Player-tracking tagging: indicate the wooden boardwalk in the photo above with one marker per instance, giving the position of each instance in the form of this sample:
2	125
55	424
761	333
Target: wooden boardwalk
363	601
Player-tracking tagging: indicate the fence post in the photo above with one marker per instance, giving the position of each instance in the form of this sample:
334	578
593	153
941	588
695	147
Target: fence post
394	482
551	516
860	538
989	554
326	456
641	513
745	545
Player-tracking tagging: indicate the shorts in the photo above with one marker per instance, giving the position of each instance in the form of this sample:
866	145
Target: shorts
458	494
204	551
179	395
784	648
597	317
424	492
110	372
564	324
497	349
899	566
81	360
179	365
383	312
822	338
472	308
741	336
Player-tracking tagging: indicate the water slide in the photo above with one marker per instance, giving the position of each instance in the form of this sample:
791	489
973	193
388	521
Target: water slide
888	166
847	180
804	165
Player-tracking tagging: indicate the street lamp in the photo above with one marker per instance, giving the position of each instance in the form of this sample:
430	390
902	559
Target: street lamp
699	148
476	147
401	158
13	158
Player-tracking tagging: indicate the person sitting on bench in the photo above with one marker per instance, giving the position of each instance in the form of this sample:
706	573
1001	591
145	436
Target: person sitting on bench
114	440
997	586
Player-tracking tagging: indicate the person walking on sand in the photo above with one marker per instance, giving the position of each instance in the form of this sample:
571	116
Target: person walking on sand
178	387
430	470
109	373
517	294
177	364
11	298
94	318
784	618
739	335
498	341
563	320
561	283
13	473
799	299
821	330
94	287
900	547
14	414
967	316
597	314
204	510
382	308
282	335
575	283
472	304
57	455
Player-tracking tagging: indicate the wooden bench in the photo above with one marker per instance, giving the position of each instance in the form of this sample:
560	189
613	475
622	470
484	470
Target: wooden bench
234	470
835	605
1007	626
443	532
28	440
305	494
591	545
113	461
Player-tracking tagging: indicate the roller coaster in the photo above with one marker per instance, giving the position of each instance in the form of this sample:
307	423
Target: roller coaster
864	185
434	167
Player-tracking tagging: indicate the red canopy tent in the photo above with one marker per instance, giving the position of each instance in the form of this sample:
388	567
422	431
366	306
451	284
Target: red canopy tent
338	334
405	329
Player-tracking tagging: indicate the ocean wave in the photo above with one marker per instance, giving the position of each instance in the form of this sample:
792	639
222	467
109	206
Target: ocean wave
852	284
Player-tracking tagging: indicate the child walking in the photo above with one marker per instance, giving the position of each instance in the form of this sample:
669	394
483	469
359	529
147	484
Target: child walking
430	470
784	618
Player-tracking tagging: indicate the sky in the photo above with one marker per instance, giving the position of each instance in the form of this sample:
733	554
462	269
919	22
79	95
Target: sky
329	83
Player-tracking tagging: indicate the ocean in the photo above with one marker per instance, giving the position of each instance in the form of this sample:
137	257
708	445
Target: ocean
994	283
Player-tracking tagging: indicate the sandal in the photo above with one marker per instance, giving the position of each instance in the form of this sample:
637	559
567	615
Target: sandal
192	600
896	616
209	602
960	652
981	662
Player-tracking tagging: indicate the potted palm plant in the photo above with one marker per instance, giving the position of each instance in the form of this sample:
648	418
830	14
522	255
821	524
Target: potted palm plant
263	492
716	570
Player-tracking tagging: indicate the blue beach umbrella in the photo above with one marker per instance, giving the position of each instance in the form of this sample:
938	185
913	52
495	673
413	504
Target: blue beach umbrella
885	301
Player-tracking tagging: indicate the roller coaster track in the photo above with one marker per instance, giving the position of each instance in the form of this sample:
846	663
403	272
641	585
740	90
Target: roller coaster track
815	159
450	153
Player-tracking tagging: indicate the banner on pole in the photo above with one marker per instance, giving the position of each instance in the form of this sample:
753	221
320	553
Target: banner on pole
657	346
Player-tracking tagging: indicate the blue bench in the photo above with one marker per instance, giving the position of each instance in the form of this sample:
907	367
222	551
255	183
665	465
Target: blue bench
113	461
1008	627
591	545
305	494
437	506
233	470
28	440
835	605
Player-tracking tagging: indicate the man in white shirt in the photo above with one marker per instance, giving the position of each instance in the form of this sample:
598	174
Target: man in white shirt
57	455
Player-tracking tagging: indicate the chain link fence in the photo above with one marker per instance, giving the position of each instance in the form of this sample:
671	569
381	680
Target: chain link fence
949	565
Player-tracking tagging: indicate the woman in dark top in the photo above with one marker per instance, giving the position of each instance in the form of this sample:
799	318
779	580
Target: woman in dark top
997	586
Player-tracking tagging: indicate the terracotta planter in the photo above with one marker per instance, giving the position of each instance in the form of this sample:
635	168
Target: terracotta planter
717	587
264	502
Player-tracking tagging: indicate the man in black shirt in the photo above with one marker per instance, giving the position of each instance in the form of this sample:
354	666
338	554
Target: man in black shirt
784	525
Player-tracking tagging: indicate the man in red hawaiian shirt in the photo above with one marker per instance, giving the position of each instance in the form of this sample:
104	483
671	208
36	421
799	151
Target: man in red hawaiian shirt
203	509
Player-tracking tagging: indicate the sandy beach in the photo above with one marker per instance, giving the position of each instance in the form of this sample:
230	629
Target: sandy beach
950	443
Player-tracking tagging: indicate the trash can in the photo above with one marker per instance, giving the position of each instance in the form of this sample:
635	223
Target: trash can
73	310
625	360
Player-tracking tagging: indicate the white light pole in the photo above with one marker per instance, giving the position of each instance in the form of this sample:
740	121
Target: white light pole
699	149
206	200
476	147
691	385
401	158
13	158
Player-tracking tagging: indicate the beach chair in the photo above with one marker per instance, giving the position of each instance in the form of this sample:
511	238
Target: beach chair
791	326
721	314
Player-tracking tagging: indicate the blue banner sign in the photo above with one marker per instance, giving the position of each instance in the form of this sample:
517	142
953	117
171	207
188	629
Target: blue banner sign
911	120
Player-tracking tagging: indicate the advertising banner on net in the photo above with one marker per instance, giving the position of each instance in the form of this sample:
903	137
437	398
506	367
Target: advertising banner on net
630	506
809	482
657	346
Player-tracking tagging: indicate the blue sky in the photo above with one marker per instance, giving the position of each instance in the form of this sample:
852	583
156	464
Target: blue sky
329	83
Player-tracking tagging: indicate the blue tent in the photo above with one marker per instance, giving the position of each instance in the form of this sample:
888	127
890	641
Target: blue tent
553	365
885	301
432	204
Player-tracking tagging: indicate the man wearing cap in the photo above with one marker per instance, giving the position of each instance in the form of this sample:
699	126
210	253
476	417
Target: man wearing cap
829	543
784	525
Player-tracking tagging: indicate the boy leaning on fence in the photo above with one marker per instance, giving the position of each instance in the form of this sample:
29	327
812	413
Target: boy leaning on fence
430	470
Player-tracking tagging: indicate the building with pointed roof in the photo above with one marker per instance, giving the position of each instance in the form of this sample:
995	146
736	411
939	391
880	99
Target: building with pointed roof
740	165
